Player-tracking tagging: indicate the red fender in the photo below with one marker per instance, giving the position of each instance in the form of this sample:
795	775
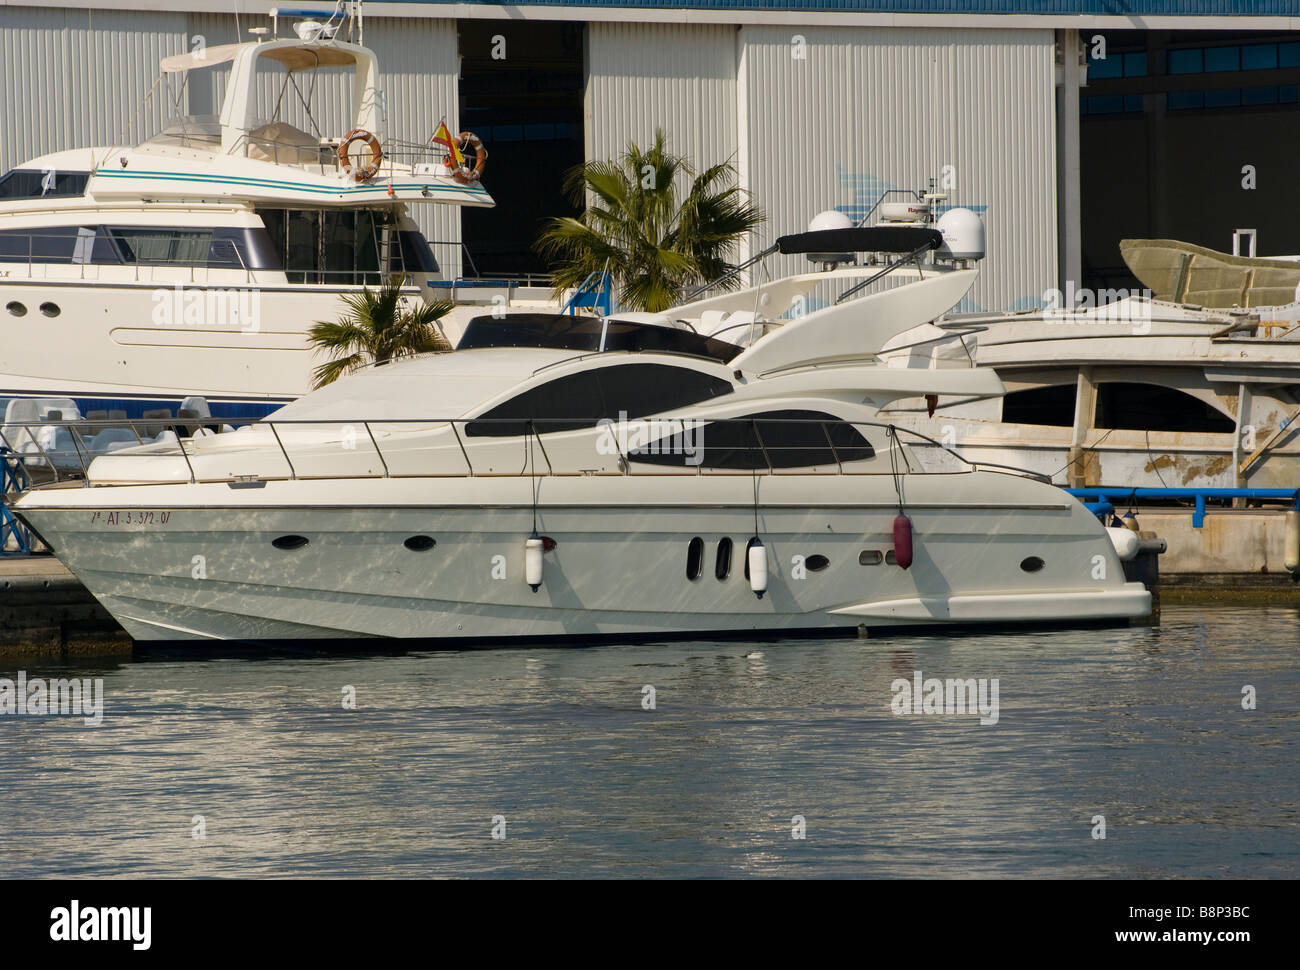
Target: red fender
903	540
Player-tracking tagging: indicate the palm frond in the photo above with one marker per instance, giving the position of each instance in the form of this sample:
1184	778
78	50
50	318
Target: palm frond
380	326
636	225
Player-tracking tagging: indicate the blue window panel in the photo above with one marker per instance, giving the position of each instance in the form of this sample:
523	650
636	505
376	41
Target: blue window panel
539	132
1190	61
1135	65
1258	57
507	132
1259	96
1288	55
1288	94
1132	102
1222	59
1112	66
1178	100
1229	98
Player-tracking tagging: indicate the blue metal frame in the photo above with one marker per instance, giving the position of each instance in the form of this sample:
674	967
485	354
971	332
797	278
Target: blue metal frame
13	479
596	292
1099	500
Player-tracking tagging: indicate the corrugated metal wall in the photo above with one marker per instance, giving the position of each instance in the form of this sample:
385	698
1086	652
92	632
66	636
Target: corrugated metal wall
77	77
862	110
866	109
681	77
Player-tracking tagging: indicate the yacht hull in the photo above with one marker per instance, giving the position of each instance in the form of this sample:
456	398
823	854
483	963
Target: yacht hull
187	562
113	344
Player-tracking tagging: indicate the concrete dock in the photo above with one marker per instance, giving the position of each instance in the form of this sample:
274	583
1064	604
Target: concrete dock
46	613
1233	556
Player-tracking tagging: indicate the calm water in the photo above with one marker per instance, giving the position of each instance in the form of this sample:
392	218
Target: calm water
1143	726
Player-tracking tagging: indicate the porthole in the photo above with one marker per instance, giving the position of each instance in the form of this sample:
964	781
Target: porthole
816	563
16	308
289	542
722	565
50	309
1031	564
870	557
890	558
420	543
694	558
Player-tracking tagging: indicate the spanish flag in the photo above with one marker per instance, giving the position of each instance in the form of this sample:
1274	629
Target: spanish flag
443	137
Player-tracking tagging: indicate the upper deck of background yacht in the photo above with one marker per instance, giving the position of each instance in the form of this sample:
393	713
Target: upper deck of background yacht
241	154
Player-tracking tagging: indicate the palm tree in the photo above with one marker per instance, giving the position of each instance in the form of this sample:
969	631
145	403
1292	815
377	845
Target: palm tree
378	328
635	227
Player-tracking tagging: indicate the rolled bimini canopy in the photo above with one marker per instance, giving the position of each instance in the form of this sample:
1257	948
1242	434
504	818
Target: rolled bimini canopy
867	239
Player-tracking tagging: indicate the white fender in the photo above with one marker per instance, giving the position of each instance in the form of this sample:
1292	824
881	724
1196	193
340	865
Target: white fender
533	562
1126	542
758	568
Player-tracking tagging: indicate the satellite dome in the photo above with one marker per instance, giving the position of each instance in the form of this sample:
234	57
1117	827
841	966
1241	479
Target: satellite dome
823	221
830	219
963	235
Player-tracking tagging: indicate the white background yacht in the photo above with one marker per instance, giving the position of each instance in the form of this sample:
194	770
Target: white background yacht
194	263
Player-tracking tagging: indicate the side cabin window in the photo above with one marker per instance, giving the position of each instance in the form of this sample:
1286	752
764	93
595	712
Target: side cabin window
1150	407
580	400
215	248
414	255
777	439
1052	406
27	183
343	247
163	247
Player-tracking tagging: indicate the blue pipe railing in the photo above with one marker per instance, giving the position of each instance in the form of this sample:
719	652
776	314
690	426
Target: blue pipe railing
13	479
1095	499
594	293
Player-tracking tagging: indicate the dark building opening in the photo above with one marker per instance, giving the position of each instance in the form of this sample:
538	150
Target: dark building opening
1167	123
521	91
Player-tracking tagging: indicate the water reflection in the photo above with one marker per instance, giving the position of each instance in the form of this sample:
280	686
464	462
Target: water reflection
1142	726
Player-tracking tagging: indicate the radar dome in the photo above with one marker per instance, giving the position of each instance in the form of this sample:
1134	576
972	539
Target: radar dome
823	221
963	235
830	219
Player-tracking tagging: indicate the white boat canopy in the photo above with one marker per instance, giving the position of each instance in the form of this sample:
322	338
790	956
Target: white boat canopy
294	56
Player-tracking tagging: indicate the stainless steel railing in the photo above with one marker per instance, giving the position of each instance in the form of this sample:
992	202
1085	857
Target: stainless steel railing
55	451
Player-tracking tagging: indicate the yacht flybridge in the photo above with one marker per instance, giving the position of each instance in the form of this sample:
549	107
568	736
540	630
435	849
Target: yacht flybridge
133	276
724	469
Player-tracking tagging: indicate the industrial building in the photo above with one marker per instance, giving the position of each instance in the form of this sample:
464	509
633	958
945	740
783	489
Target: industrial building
1068	124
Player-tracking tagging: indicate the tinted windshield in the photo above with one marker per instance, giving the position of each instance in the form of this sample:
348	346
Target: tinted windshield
582	333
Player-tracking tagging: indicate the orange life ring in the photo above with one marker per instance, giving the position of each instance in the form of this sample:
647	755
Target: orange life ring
376	154
463	173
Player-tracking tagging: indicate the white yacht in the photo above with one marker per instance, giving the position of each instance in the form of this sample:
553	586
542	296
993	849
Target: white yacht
723	470
133	276
1194	384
